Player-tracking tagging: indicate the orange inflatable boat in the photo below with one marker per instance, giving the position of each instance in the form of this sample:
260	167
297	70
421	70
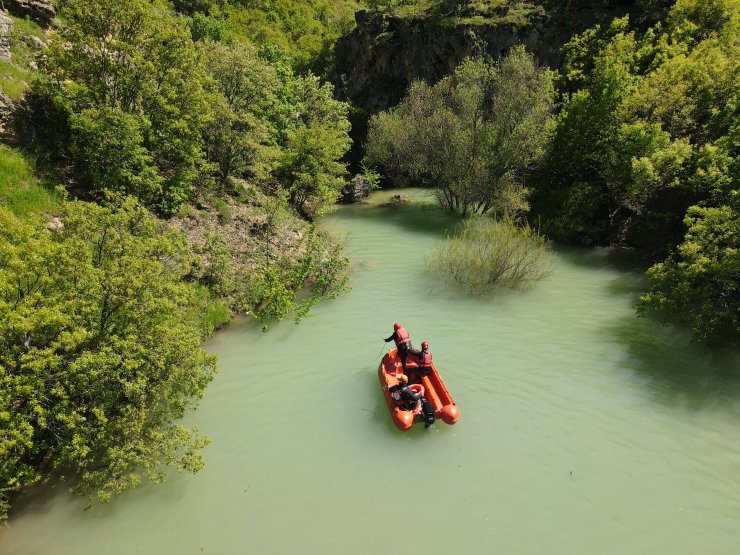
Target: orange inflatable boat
431	387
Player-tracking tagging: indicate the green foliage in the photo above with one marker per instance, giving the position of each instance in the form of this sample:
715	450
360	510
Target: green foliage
135	65
305	30
701	283
372	177
97	361
640	139
269	122
482	12
206	28
108	148
238	137
194	7
20	191
484	254
129	104
472	136
313	130
209	313
284	287
647	146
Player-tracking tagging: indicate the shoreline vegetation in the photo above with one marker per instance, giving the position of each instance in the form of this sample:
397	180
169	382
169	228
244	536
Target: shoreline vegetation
167	161
169	178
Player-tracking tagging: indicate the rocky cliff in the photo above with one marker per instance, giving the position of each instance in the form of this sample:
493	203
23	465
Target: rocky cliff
384	54
41	11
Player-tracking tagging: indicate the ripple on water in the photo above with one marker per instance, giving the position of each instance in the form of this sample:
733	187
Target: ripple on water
583	429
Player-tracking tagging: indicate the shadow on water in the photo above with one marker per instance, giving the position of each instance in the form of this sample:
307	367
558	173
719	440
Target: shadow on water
628	265
416	217
41	500
677	369
622	260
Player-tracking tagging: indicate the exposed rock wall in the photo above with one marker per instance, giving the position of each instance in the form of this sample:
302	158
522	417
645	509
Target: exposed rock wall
377	62
384	54
41	11
6	26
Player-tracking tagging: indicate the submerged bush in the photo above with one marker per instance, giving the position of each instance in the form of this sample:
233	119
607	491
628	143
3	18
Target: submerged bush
487	253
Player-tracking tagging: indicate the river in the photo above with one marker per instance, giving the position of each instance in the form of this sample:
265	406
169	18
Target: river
583	429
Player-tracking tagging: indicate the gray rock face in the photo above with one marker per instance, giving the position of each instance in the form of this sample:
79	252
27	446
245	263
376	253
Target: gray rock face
6	26
384	54
6	117
356	190
41	11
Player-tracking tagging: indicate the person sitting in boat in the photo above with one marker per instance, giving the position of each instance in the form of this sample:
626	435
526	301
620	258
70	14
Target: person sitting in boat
403	394
423	358
403	342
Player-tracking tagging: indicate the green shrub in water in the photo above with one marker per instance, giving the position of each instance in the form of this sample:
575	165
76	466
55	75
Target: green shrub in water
487	253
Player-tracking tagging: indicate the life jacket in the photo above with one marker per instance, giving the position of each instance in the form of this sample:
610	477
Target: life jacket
402	338
425	360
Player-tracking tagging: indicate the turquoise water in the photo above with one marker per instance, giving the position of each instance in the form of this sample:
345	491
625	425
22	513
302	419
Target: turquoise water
583	429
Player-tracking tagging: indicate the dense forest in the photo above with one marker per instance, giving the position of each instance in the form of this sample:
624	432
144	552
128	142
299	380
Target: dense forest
642	150
165	163
645	153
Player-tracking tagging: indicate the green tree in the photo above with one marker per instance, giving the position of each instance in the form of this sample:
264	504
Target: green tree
701	283
108	149
306	30
98	356
472	136
647	148
238	137
633	140
313	129
137	65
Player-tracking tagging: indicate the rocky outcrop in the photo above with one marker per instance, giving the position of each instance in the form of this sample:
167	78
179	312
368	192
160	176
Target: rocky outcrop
357	190
377	62
6	26
7	134
384	54
41	11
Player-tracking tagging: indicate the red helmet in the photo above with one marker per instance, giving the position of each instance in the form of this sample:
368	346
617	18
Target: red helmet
424	345
396	326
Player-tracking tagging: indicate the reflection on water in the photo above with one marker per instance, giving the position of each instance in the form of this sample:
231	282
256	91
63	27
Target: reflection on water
583	428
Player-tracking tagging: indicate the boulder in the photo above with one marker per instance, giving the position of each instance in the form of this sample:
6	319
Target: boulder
55	224
356	190
37	43
41	11
399	200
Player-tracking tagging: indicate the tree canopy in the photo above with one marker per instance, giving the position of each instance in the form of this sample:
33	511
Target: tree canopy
472	136
99	356
646	152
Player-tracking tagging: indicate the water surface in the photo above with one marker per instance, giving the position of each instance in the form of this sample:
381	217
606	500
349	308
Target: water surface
582	430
